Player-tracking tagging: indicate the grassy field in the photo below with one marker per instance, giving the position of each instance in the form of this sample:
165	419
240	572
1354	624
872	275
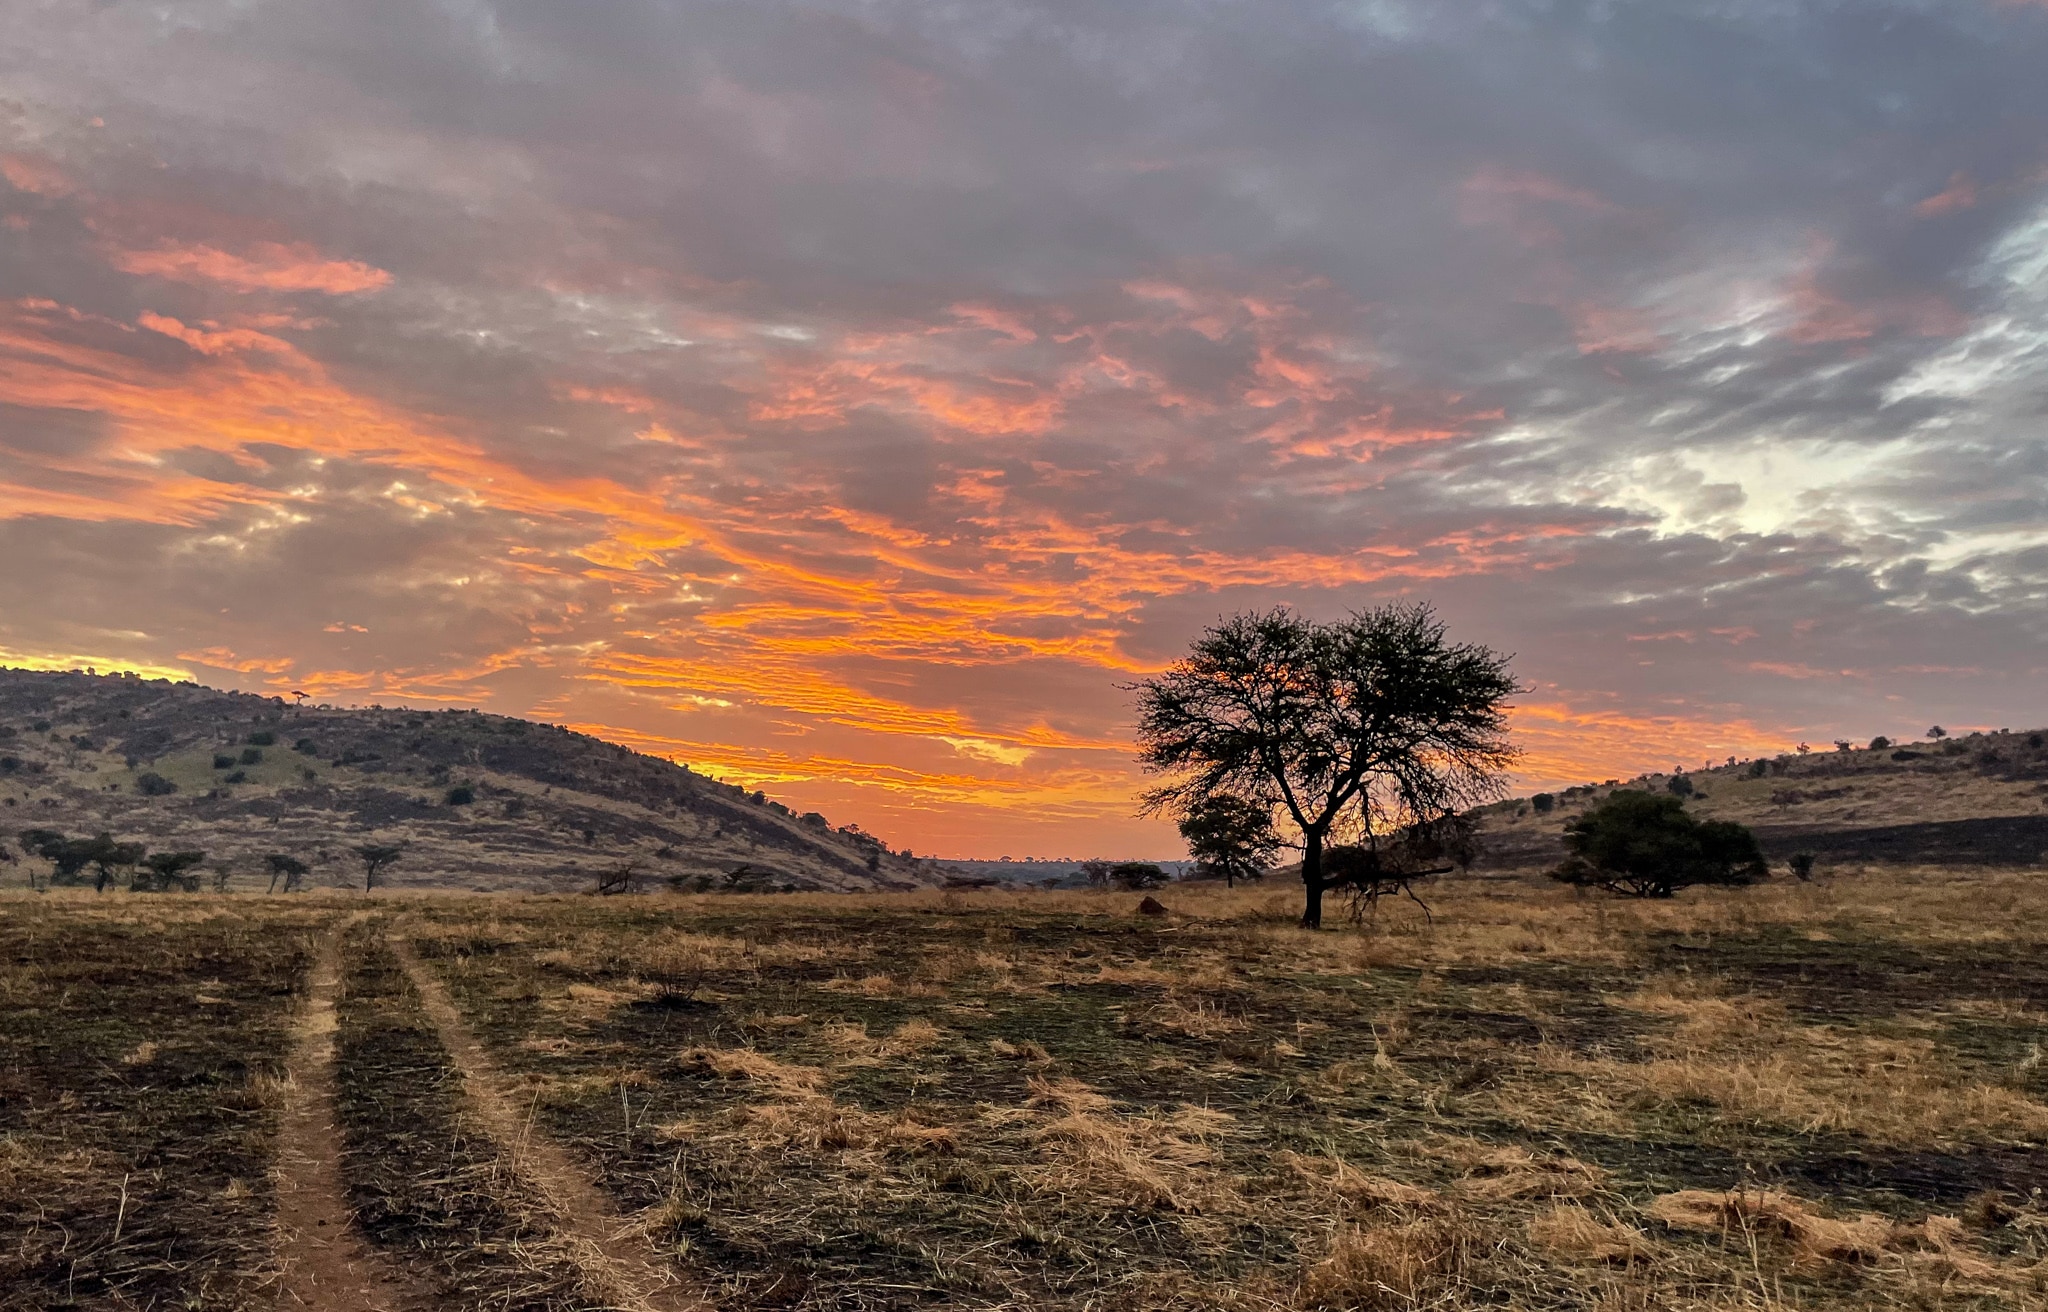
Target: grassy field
1797	1096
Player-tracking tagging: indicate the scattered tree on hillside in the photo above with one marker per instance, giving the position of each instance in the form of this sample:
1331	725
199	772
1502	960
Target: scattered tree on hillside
151	784
168	868
1230	836
1937	733
1844	745
287	868
376	857
1880	744
1679	786
1544	803
1643	845
1370	725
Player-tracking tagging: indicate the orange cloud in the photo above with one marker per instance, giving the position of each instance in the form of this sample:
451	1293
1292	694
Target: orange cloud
266	266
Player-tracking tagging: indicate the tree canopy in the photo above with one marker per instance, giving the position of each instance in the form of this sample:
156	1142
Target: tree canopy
1645	845
1366	727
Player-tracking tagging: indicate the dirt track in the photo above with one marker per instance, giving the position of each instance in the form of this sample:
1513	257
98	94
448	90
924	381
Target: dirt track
612	1258
325	1265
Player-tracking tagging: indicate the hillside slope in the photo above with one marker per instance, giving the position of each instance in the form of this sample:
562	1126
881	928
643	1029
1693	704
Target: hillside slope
242	776
1978	800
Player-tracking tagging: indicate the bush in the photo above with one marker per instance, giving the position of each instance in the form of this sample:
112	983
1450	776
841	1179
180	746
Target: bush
1137	874
1759	768
252	755
1802	866
1680	786
1880	744
1544	803
152	784
1642	845
262	738
461	795
222	761
306	747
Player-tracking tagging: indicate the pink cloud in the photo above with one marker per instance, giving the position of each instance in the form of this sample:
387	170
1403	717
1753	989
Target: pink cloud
267	266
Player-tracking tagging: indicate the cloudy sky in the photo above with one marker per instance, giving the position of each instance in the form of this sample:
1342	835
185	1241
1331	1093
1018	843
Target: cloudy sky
844	397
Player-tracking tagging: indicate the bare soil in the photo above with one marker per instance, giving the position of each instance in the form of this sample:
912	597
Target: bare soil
325	1265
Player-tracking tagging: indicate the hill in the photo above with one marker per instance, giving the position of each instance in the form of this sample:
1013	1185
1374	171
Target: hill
479	801
1981	799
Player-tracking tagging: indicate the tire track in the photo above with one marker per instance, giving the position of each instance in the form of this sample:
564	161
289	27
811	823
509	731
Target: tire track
325	1264
585	1220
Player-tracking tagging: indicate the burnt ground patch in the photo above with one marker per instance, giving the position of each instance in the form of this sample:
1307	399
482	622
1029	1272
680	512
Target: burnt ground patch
2006	840
139	1057
425	1188
1858	975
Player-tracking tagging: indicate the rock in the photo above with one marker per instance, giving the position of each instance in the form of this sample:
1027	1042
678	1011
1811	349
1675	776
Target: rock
1151	906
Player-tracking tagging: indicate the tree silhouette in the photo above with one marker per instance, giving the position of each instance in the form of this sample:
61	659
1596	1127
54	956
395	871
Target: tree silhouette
168	868
1375	724
286	867
376	857
1231	836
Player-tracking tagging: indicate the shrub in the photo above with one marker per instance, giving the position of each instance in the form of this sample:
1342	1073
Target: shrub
306	747
1802	866
251	755
222	761
1880	744
461	795
262	738
1679	786
238	777
1544	803
1642	845
152	784
1759	768
1137	874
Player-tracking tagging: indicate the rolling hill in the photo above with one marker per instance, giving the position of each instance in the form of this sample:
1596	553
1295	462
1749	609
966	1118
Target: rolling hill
478	801
1981	799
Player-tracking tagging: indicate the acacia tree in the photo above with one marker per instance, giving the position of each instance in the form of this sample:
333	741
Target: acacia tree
1371	726
1230	836
375	857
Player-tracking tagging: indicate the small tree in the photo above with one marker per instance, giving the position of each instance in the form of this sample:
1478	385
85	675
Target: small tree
1880	744
1937	733
1135	875
1230	836
1097	873
107	856
1643	845
170	868
1544	803
287	868
461	795
1679	786
151	784
1368	725
376	857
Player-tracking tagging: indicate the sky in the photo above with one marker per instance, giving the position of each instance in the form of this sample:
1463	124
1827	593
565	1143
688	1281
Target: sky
847	398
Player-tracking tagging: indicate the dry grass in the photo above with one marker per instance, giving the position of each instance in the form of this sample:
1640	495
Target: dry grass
1821	1097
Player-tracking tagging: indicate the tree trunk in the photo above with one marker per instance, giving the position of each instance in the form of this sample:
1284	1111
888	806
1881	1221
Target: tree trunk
1312	878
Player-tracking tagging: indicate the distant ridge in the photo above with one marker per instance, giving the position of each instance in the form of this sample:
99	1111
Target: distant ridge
479	801
1976	799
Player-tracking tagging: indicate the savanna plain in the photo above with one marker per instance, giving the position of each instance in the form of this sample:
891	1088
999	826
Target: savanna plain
1801	1095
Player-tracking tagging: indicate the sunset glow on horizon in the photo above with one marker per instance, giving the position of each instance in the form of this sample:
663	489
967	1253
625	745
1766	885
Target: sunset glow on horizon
847	399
